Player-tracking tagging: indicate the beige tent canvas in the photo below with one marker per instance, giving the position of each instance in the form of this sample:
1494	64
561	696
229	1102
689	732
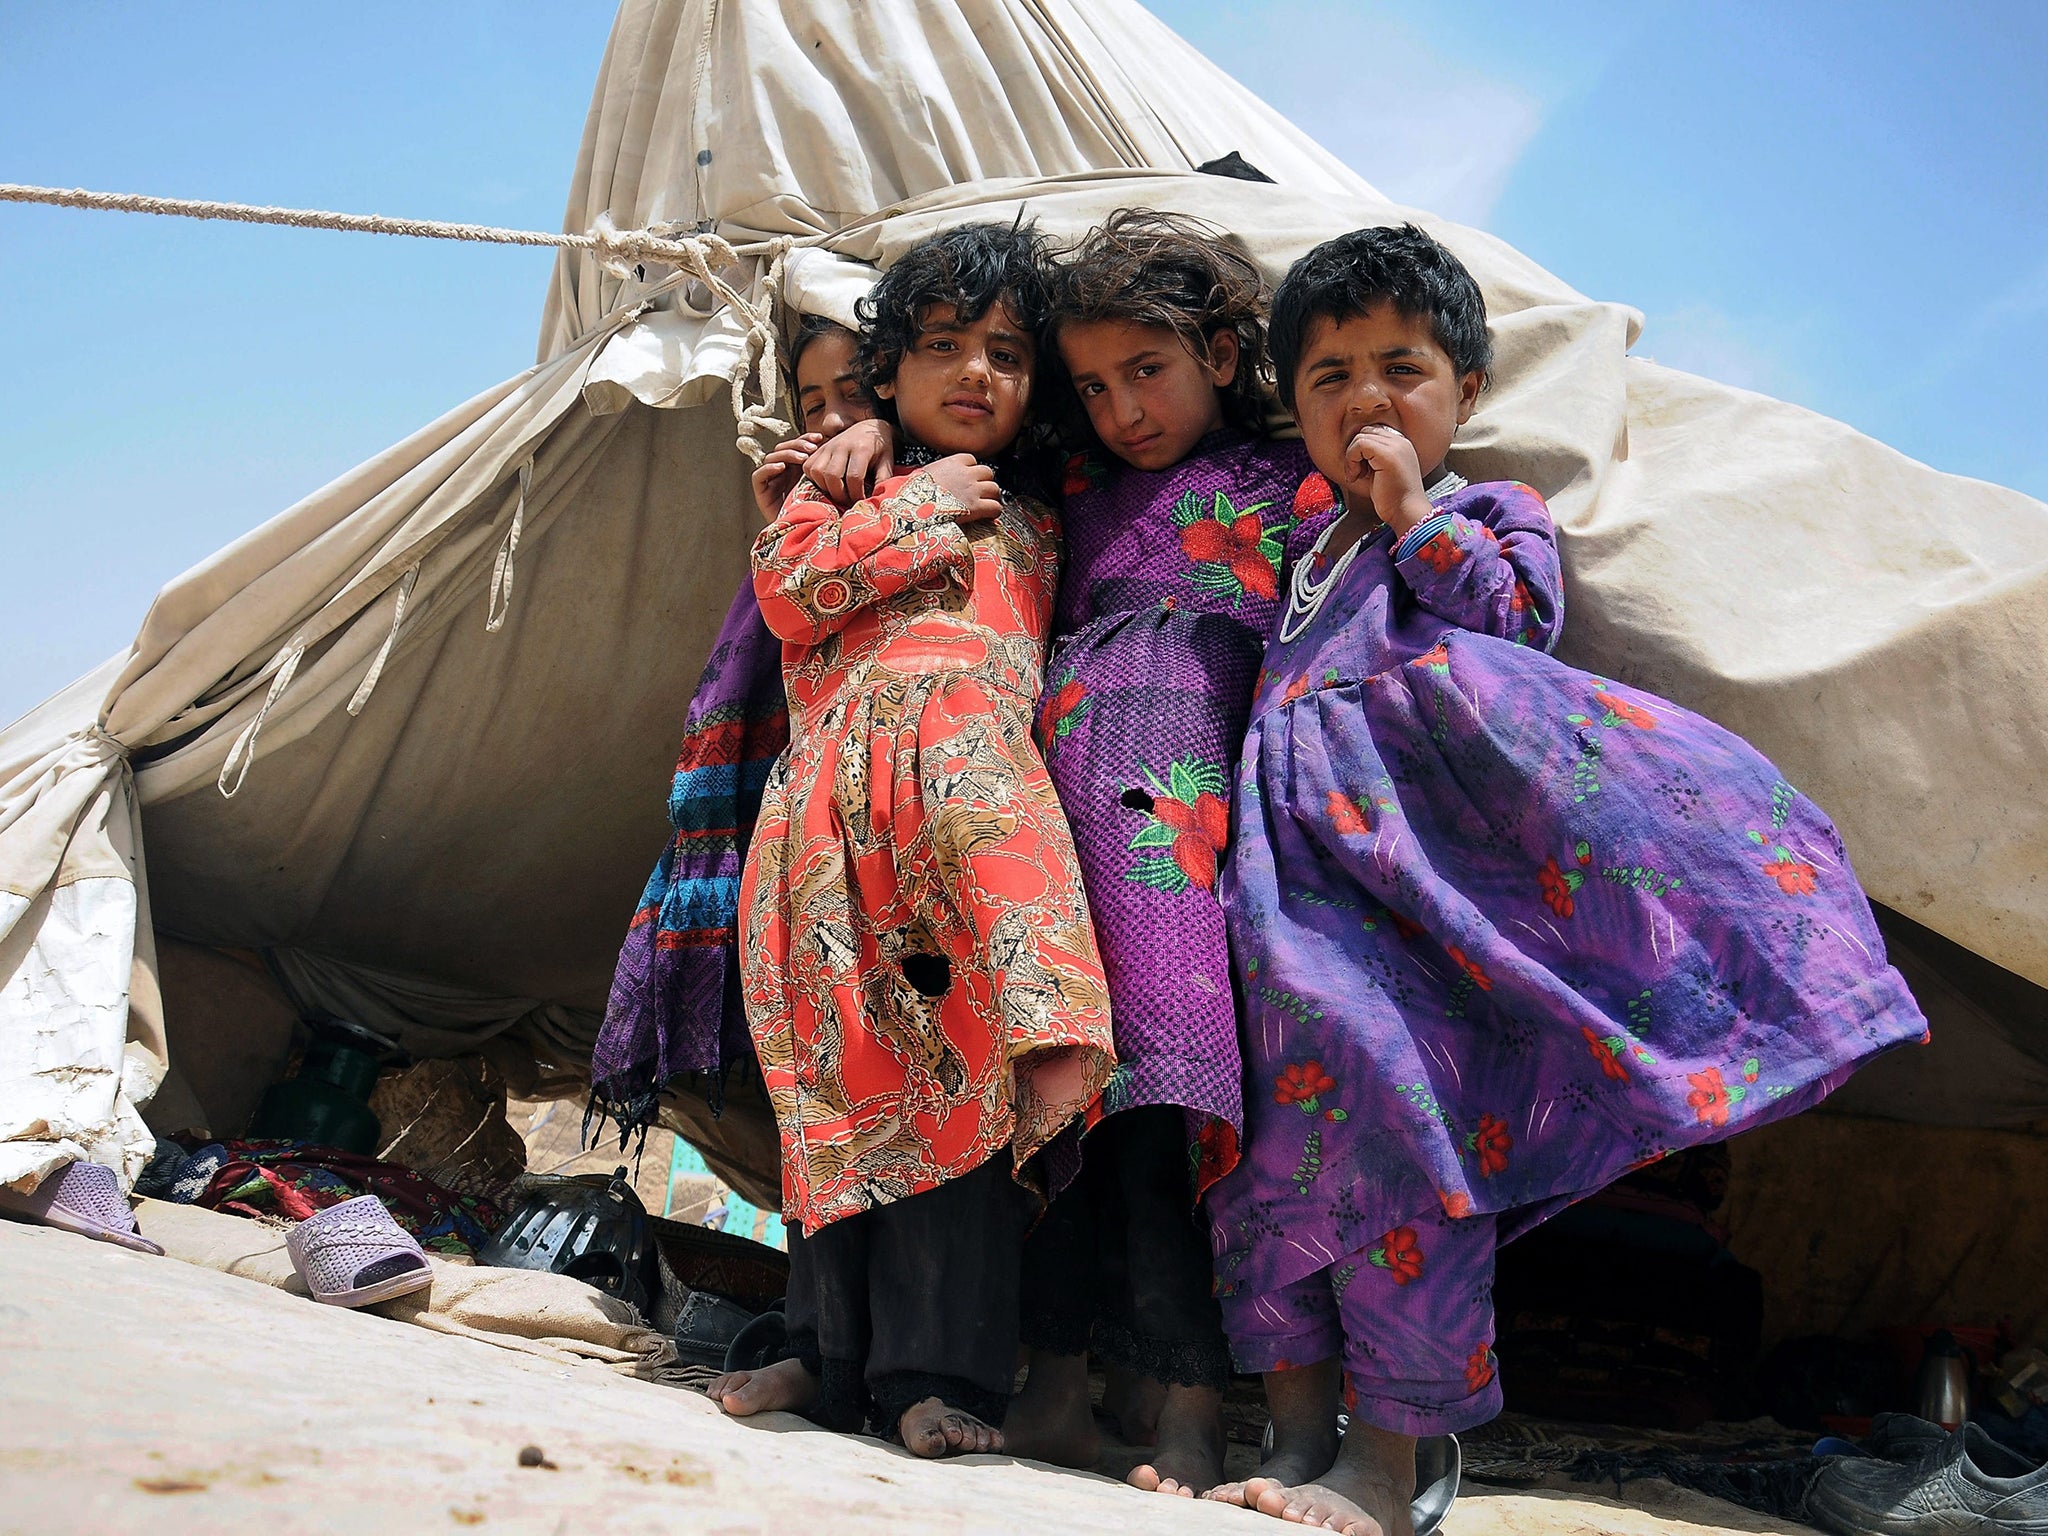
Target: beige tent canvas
410	739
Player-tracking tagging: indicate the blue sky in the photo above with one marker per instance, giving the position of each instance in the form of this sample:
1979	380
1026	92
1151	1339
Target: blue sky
1838	204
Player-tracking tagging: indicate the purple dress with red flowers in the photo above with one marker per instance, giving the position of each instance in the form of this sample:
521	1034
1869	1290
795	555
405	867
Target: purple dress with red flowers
1168	594
1504	930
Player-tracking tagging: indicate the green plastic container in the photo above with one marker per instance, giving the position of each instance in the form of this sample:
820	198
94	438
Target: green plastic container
328	1102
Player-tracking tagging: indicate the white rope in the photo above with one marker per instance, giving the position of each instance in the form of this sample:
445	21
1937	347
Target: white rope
762	340
243	752
501	570
369	683
619	251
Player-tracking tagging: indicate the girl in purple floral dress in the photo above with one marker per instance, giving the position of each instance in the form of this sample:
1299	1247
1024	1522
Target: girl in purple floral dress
1504	929
1175	537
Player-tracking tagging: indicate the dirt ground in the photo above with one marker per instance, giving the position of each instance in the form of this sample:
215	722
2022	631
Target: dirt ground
140	1394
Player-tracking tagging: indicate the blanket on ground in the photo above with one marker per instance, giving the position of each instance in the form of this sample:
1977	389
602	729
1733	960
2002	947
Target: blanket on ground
551	1316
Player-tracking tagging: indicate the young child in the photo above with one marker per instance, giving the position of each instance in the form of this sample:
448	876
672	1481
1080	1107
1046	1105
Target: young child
1504	929
922	983
830	397
1173	554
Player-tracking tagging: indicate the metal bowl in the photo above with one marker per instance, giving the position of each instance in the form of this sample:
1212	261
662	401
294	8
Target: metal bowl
1439	1470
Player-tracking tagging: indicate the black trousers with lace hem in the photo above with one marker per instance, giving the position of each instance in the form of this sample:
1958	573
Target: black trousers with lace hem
1120	1263
913	1299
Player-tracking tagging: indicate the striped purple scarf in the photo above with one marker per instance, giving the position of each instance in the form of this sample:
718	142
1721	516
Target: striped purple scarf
675	1005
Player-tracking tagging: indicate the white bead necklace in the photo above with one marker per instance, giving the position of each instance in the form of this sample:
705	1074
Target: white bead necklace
1306	594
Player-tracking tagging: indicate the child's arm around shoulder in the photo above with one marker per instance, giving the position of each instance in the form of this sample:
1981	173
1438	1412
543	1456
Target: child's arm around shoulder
816	566
1487	562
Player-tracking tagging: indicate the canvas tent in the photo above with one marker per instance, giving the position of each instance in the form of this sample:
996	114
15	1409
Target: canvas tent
410	739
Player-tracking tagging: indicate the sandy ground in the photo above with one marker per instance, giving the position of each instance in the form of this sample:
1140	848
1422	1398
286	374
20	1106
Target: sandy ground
142	1394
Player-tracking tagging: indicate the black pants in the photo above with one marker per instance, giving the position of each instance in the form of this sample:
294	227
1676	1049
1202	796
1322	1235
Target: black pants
913	1299
1121	1263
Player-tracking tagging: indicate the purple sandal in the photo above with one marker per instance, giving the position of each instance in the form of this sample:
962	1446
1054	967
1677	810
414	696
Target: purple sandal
83	1198
354	1254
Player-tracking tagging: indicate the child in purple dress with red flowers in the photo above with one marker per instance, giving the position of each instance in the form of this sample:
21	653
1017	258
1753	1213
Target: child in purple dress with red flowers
1175	537
1504	929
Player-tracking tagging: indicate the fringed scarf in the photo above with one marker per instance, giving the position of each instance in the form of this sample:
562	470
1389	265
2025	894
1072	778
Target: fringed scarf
675	1005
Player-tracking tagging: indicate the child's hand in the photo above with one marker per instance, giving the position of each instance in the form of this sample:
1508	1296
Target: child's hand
1381	461
852	464
969	481
777	474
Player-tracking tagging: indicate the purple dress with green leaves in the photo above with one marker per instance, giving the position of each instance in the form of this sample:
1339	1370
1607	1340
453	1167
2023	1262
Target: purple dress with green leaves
1504	929
1168	593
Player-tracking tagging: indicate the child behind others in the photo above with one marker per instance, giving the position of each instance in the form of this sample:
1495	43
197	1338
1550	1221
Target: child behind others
1504	929
830	397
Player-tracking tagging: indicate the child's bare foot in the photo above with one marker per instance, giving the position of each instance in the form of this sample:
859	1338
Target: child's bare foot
783	1387
1051	1419
1133	1401
1303	1402
931	1428
1189	1459
1366	1492
1297	1468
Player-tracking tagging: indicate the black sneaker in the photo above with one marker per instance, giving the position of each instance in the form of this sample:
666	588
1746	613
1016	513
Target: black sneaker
1947	1492
1905	1437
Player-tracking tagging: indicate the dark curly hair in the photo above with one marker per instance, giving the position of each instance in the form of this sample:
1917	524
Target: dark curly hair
1343	278
970	269
1176	273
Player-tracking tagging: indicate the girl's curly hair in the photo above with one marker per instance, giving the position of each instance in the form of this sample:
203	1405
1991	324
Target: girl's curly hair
971	268
1166	270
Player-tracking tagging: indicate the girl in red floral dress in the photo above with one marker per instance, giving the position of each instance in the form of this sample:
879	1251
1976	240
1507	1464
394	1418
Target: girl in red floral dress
922	982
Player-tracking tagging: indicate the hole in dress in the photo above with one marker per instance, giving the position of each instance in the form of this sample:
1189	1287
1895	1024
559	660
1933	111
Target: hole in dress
929	974
1138	800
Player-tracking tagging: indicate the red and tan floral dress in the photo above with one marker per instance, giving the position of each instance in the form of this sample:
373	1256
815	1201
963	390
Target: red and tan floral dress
922	982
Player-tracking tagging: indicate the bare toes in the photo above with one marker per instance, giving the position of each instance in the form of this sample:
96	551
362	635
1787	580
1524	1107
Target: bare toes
730	1391
1228	1493
931	1429
1270	1498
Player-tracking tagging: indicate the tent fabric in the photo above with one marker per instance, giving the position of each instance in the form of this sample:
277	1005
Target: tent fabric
460	855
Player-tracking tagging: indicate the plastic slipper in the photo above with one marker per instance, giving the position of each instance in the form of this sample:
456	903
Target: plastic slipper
83	1198
354	1254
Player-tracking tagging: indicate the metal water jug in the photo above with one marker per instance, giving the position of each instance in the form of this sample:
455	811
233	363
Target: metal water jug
1942	1393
